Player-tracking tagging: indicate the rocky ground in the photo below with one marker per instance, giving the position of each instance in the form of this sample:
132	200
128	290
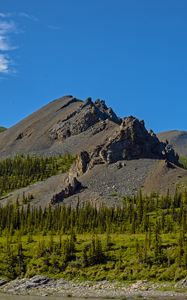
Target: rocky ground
106	183
45	286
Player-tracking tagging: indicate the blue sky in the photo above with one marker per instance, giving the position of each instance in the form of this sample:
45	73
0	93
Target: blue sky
132	53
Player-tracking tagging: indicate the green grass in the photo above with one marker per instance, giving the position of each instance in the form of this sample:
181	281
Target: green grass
123	261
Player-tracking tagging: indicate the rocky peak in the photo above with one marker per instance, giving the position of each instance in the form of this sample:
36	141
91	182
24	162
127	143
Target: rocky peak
101	105
89	115
107	111
130	140
87	102
133	141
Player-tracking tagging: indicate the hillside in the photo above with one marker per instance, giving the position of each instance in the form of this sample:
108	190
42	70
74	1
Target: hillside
114	156
69	125
178	140
85	194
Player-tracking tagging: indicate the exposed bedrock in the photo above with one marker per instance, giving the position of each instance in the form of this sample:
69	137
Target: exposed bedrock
89	114
133	141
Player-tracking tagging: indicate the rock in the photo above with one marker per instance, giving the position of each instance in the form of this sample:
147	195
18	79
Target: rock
20	136
100	127
119	165
3	282
132	141
169	164
72	187
109	157
170	154
181	284
80	165
38	280
139	285
87	102
87	116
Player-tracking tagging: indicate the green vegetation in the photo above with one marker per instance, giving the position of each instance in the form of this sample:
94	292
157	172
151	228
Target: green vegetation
2	129
146	238
22	171
183	161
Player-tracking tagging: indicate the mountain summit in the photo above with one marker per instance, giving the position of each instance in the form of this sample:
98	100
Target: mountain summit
69	125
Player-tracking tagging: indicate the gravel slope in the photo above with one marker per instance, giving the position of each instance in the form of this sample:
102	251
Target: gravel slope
108	183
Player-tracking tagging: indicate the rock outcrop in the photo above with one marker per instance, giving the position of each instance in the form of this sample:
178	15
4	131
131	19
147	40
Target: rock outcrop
114	155
69	125
71	187
87	116
132	141
81	165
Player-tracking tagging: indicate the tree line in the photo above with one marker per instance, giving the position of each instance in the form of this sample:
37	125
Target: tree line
136	214
21	170
149	221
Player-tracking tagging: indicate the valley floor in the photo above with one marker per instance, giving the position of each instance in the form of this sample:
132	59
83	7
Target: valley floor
102	257
126	257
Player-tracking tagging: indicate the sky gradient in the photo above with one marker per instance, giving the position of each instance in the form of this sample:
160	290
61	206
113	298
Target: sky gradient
131	53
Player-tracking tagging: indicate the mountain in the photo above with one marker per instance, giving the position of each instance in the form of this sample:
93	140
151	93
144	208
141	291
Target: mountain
178	140
115	156
69	125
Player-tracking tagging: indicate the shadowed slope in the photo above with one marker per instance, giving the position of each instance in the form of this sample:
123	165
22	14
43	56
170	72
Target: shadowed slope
177	138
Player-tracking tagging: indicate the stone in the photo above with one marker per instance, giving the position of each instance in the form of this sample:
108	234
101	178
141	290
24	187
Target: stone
133	141
80	165
86	117
3	282
72	186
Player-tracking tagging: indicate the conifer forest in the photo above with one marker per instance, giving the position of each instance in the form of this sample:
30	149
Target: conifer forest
144	237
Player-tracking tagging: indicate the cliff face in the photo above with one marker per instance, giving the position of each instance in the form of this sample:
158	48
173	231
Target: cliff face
133	141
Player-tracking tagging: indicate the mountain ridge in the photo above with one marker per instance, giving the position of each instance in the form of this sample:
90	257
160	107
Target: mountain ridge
69	125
